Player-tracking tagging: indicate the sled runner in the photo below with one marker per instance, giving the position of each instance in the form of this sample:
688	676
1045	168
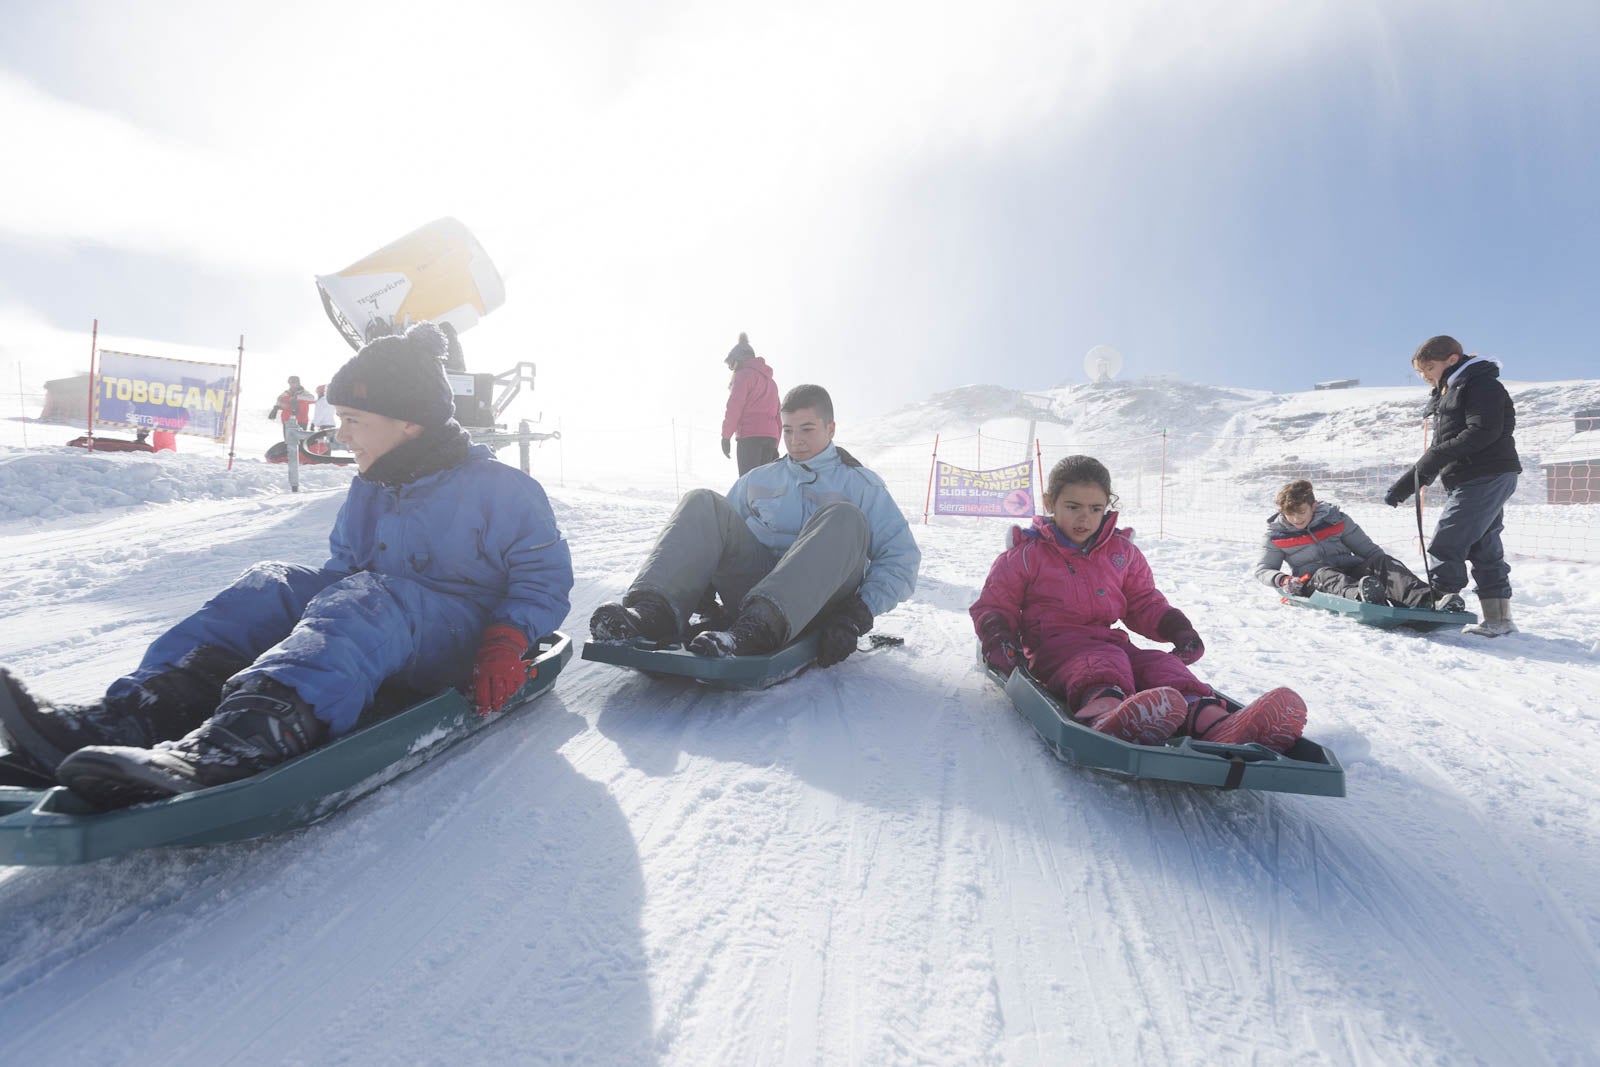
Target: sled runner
1383	615
729	672
54	827
1306	768
319	447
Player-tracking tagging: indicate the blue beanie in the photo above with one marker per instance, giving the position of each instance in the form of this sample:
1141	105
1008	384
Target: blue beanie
398	376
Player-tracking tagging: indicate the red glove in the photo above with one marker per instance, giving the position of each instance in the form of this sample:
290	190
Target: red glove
500	670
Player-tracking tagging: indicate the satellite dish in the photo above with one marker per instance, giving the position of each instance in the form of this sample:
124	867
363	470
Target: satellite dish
1101	363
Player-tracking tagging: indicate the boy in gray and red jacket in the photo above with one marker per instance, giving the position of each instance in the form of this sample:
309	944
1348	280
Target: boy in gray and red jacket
1327	552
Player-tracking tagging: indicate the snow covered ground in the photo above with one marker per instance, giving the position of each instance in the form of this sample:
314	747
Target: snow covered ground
874	864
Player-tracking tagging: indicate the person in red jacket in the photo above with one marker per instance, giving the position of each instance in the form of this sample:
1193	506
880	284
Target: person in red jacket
1051	599
294	402
752	412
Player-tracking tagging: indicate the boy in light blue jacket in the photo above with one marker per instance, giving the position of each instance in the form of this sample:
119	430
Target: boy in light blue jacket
811	541
440	553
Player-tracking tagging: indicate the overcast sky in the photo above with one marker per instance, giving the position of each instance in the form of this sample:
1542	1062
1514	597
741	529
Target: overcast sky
892	199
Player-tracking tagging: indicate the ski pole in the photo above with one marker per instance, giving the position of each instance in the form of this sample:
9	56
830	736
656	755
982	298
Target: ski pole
1416	485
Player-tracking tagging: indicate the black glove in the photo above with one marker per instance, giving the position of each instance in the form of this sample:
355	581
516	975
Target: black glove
1295	584
1186	644
727	447
840	629
1402	489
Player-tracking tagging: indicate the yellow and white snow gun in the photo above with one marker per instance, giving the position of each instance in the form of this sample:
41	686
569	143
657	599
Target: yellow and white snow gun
438	272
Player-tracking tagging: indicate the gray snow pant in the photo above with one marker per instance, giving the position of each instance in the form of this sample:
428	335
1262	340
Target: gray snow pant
707	544
1468	531
1403	588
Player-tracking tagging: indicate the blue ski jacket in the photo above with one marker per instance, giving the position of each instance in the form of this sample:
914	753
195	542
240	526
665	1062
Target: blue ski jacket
482	531
418	570
777	499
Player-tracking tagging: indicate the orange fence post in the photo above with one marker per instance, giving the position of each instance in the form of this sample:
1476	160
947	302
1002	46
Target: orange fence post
932	467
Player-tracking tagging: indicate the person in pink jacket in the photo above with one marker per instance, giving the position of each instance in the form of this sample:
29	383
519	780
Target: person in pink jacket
752	411
1051	600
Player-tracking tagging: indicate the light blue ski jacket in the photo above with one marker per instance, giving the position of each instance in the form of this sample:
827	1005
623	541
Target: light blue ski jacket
777	499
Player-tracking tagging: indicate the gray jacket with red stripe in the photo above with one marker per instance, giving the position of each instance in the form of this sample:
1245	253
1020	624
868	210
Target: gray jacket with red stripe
1331	540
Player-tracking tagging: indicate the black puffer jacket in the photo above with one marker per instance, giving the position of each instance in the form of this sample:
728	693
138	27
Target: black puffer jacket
1473	424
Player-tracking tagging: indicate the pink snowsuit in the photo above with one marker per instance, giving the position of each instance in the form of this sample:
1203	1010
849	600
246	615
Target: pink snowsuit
1061	601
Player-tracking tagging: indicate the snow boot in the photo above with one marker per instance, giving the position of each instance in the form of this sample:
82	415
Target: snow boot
1496	618
1146	718
159	708
1448	602
1274	720
758	631
649	616
1370	591
256	727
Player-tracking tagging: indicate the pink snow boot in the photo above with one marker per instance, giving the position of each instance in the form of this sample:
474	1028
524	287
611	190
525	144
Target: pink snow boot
1146	718
1273	720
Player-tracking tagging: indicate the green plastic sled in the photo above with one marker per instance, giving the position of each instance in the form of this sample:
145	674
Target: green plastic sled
727	672
1383	615
1306	768
54	827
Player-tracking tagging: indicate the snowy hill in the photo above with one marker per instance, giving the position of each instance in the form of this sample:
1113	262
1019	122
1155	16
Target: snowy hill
874	864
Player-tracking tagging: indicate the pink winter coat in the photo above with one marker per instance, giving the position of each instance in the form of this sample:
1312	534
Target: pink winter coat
1055	596
752	402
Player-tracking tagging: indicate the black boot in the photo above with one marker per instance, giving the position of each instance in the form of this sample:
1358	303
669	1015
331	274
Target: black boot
1370	591
648	616
758	631
161	707
258	726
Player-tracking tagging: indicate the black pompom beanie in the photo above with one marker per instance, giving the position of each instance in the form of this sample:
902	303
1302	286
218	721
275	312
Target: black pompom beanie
398	376
740	352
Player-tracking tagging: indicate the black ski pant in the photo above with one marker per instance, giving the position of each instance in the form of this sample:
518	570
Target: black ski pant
1403	588
756	452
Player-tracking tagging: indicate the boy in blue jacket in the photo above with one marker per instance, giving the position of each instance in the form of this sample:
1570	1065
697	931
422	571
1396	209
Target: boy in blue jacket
813	539
439	552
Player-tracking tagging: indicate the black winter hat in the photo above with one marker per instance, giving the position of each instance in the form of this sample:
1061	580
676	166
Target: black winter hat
398	376
740	352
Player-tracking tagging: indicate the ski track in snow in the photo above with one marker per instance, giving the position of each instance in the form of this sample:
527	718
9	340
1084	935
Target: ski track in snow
875	864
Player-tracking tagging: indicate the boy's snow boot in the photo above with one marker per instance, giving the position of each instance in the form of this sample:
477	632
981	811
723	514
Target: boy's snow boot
161	707
256	727
1274	720
1443	601
1146	718
1371	591
649	616
758	631
1496	618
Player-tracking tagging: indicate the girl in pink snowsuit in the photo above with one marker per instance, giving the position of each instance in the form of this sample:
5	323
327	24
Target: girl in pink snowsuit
1050	602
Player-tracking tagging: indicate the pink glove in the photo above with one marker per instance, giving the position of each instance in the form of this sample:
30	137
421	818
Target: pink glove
500	670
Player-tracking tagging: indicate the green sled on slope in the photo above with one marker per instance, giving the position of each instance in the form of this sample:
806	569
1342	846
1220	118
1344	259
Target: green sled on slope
1306	768
54	827
725	672
1383	615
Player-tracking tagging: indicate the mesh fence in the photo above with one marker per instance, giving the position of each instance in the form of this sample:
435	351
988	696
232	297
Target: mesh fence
1186	486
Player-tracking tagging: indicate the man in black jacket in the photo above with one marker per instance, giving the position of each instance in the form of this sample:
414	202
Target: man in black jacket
1474	455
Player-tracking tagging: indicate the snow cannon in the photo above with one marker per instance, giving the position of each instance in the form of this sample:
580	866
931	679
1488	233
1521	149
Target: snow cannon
438	272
